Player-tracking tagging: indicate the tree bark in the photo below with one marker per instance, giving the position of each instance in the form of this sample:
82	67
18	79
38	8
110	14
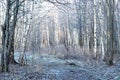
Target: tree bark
110	33
12	60
95	32
8	35
5	41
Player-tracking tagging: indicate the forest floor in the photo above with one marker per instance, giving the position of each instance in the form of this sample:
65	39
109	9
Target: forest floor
54	67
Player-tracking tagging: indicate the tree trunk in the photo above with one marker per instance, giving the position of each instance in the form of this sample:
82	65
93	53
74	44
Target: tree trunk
102	31
12	34
3	45
95	33
8	35
5	41
12	60
110	33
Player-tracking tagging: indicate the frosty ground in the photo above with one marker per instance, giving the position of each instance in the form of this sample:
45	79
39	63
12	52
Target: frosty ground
56	67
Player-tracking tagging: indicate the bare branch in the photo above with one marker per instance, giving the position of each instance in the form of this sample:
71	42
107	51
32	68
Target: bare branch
58	2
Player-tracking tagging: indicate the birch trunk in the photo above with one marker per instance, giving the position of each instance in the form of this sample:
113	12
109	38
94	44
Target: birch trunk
95	35
102	32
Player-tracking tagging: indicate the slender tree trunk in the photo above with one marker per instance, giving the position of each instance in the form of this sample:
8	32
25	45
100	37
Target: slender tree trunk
102	34
110	32
5	39
95	32
3	45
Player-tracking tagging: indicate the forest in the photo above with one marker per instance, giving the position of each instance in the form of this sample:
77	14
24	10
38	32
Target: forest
59	39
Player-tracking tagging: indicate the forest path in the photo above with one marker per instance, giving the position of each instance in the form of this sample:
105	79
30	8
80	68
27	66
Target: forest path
85	68
54	68
50	67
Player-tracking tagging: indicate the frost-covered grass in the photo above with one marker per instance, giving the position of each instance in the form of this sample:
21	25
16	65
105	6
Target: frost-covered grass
61	65
52	67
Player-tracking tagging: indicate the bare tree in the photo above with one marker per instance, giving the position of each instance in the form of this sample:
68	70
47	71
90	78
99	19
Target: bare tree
110	32
8	35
